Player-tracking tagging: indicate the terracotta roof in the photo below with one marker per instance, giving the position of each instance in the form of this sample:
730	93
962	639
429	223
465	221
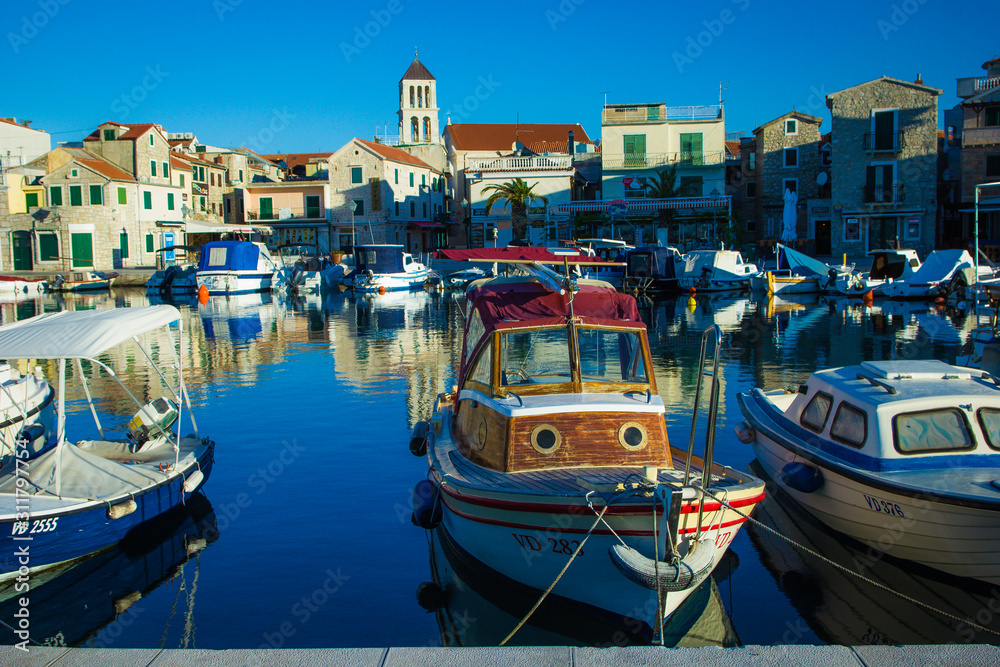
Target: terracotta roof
993	62
501	136
733	146
260	157
196	160
418	71
135	130
98	164
396	154
180	142
22	125
295	159
177	162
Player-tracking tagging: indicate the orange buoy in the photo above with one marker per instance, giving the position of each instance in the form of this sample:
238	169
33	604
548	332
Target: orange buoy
381	289
203	295
868	298
692	290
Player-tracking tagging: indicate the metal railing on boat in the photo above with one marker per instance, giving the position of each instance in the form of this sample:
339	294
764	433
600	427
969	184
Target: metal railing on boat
713	409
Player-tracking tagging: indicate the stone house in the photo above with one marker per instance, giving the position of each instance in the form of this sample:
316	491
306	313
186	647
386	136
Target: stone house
884	171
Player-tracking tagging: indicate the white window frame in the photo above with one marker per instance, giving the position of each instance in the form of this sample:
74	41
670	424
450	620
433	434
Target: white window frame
784	183
784	157
795	132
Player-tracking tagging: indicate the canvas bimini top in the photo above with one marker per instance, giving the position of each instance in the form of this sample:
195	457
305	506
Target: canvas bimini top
81	334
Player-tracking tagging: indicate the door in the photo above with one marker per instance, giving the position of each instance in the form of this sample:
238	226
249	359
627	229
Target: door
885	131
266	212
22	251
635	150
312	206
691	149
82	246
31	199
882	233
823	237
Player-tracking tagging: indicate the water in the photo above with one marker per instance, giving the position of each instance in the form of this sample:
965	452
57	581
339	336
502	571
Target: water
303	538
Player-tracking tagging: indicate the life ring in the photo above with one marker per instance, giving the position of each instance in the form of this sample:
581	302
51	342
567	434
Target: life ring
164	467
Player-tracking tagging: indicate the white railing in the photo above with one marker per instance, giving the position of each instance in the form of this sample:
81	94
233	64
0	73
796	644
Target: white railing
973	85
653	160
532	162
614	115
980	136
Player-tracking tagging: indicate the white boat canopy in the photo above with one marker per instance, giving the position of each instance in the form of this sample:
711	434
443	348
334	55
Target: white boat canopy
80	334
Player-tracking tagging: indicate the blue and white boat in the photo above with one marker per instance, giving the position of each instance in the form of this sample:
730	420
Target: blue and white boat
386	268
235	267
61	500
901	455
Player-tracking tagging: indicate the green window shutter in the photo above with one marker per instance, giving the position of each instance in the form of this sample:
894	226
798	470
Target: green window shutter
147	200
96	195
149	243
411	179
48	247
123	244
241	177
109	135
31	199
170	201
691	148
55	195
182	180
201	174
266	211
201	202
76	195
355	174
396	176
166	170
423	179
152	167
122	197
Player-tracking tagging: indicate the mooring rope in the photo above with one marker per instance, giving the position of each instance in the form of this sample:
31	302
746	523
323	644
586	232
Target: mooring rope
851	572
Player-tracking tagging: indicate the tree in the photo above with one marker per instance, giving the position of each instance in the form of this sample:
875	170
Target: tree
664	186
518	194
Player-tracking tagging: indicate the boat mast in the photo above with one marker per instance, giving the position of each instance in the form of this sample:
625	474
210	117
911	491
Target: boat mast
61	429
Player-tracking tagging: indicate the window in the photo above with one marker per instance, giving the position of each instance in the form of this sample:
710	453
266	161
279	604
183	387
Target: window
31	199
122	196
879	183
991	117
76	195
395	176
96	195
123	244
826	156
752	161
423	179
850	425
814	415
55	195
413	209
989	419
240	172
634	147
355	174
48	247
931	431
397	208
109	135
790	184
691	149
149	243
751	190
791	126
312	206
182	180
166	170
152	166
74	173
150	138
411	179
170	201
201	174
201	203
792	157
482	370
692	186
423	209
147	200
360	210
993	165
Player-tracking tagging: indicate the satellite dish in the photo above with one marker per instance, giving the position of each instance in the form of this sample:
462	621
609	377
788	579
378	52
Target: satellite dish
821	178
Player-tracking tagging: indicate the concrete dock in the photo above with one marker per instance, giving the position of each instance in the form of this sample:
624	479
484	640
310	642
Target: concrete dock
554	656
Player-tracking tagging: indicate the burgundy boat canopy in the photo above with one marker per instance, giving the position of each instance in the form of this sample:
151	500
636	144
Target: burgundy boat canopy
503	306
515	252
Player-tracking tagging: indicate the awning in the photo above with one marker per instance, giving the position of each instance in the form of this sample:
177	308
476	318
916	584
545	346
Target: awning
637	205
202	227
424	224
169	223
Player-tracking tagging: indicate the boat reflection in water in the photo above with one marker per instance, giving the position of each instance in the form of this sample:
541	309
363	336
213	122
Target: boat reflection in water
844	609
238	318
93	601
477	608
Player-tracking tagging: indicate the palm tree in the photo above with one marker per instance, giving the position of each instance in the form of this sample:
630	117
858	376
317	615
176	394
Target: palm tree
518	194
664	186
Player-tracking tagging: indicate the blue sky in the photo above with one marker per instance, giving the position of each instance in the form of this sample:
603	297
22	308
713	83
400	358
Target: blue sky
307	76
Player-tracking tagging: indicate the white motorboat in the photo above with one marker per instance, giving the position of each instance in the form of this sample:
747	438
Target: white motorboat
304	270
887	266
386	268
797	273
901	455
714	271
943	273
235	267
549	461
66	499
19	285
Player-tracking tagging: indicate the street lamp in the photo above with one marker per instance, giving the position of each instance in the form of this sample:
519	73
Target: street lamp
354	207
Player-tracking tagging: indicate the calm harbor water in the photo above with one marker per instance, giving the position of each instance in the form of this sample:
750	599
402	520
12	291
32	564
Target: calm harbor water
303	536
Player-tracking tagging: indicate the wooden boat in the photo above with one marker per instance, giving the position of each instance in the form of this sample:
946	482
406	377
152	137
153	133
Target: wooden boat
549	461
61	500
797	273
386	268
901	455
81	281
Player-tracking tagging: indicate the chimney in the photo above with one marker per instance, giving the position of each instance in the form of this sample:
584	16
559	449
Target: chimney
570	144
919	81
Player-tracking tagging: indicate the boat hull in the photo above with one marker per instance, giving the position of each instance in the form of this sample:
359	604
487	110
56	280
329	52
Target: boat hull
390	282
234	282
926	527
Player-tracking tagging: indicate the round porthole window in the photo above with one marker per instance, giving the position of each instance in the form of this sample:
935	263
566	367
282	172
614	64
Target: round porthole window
480	439
545	439
632	436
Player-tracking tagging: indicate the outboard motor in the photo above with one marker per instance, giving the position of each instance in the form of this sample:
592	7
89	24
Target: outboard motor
159	414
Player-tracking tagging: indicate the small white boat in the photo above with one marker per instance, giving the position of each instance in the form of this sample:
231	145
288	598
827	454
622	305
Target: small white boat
386	268
235	267
796	273
26	410
714	271
66	499
901	455
81	281
549	461
19	285
887	267
943	273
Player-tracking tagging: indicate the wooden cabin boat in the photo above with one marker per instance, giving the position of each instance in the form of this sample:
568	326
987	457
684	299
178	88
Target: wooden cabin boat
82	281
901	455
549	461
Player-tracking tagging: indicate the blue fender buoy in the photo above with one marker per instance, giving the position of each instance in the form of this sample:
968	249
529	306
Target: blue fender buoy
426	505
801	477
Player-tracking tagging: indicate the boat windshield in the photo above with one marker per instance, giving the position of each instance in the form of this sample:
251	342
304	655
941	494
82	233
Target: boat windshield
543	356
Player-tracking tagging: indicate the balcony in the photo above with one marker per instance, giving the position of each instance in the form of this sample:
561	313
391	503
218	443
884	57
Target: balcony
310	213
657	113
883	194
884	142
654	160
973	85
526	163
980	136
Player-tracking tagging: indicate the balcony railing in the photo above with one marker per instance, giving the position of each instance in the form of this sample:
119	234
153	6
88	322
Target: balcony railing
532	162
973	85
654	160
883	194
657	113
884	142
980	136
310	213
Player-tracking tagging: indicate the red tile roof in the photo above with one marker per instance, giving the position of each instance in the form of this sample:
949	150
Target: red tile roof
418	71
196	160
501	136
135	130
733	146
295	159
396	154
98	164
261	157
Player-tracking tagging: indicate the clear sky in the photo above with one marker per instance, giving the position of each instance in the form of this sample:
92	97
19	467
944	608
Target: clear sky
307	76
